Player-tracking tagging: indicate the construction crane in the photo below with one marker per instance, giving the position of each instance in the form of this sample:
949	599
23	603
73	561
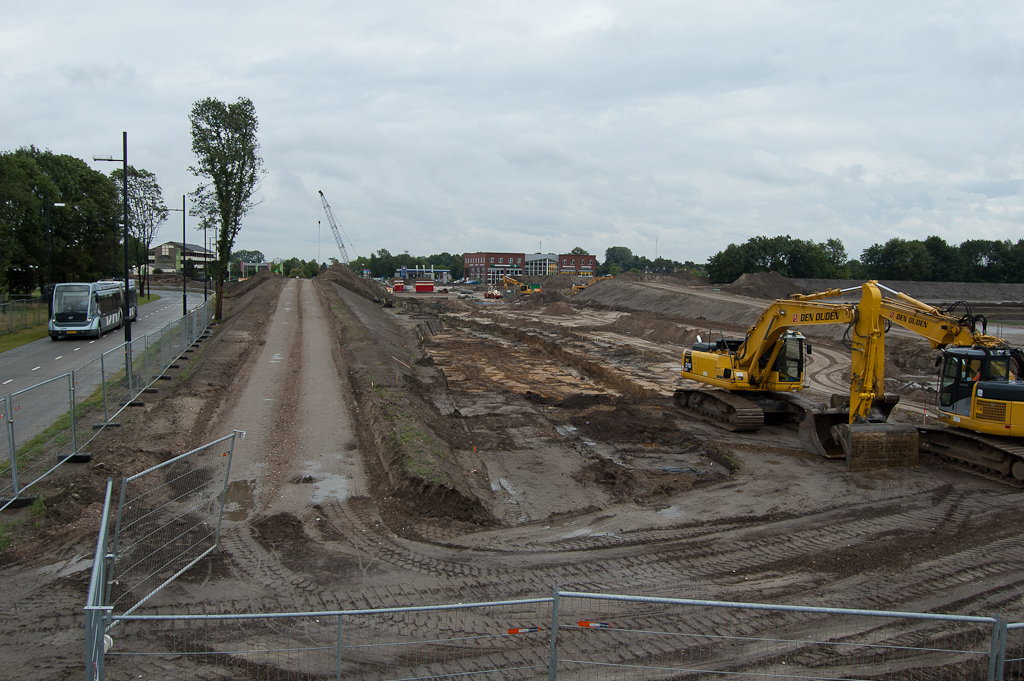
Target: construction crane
336	229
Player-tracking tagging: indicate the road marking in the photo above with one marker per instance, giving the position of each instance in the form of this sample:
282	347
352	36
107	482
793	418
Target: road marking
57	357
77	349
7	381
39	367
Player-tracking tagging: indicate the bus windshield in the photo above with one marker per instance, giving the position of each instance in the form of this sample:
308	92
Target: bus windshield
71	299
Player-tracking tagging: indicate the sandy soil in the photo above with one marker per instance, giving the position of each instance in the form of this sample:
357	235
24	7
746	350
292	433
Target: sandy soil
441	451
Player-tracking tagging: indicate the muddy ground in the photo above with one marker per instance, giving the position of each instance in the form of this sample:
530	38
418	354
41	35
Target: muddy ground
447	451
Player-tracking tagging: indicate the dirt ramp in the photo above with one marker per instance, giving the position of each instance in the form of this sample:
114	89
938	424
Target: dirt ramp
235	289
653	327
343	276
764	286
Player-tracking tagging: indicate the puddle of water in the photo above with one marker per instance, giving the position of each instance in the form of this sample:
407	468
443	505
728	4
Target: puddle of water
239	499
331	487
503	484
327	485
582	532
672	512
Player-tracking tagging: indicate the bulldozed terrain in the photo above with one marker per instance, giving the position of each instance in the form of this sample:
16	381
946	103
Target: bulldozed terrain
447	450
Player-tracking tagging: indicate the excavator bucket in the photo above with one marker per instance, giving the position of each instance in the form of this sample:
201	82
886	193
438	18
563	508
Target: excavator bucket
867	446
874	446
815	431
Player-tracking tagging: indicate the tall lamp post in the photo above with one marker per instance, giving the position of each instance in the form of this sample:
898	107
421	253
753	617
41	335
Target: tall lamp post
184	289
127	287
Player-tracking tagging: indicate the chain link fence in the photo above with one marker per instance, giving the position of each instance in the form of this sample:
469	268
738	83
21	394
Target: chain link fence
54	421
23	314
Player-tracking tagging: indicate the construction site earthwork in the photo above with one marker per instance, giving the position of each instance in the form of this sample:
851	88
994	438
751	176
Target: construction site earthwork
444	448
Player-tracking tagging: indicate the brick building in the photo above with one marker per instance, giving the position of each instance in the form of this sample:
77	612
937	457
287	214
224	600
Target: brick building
488	268
580	264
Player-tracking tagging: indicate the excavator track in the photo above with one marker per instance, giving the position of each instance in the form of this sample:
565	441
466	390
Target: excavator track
721	408
995	455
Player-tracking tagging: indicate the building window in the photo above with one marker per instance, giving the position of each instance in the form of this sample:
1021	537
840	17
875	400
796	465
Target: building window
492	261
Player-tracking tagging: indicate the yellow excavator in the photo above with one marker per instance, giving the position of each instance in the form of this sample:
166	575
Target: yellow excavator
579	287
763	373
525	289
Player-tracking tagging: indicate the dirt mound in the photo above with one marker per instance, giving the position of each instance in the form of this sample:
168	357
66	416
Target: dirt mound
559	283
343	276
763	285
234	289
638	485
559	310
654	327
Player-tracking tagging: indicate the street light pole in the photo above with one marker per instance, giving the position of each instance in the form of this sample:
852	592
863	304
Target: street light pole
206	263
127	284
184	288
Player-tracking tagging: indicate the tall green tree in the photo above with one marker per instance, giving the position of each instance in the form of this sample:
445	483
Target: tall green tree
146	212
899	260
84	237
618	255
225	144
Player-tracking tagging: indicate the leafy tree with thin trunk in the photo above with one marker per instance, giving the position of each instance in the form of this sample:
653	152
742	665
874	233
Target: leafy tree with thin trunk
224	141
146	212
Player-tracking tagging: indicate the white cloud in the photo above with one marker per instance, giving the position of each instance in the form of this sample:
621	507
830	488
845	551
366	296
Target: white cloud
455	126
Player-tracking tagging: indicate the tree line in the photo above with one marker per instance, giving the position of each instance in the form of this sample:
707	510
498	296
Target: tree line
617	259
83	234
931	259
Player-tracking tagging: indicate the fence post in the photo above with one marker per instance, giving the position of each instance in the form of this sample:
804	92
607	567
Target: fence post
224	492
74	430
1001	663
338	667
994	650
10	447
103	386
553	653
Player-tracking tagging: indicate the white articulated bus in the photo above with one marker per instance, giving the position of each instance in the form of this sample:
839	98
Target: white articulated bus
84	309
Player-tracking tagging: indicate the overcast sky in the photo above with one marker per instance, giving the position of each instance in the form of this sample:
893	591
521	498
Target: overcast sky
673	128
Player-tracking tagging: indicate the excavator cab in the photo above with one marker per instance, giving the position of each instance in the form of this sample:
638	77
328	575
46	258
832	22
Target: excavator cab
789	363
979	390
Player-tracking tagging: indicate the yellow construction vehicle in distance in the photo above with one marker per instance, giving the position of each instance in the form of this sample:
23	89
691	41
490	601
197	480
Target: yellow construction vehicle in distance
579	287
525	289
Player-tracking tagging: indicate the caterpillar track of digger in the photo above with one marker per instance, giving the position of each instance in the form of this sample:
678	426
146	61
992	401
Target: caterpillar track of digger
762	374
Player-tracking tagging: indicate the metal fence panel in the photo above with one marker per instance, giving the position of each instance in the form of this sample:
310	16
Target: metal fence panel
168	519
118	389
22	314
610	637
139	374
507	640
42	427
91	410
